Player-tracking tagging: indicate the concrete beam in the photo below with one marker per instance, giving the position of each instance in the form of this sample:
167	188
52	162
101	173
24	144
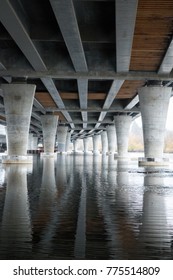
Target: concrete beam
125	24
115	87
70	31
18	32
90	75
167	62
132	103
83	98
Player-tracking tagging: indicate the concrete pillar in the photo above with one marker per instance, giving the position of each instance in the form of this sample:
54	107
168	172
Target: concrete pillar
49	126
86	144
104	140
61	138
75	145
35	143
68	141
30	142
154	101
96	144
111	134
122	125
18	101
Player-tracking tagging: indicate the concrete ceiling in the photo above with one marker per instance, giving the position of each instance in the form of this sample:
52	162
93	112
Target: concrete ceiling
87	58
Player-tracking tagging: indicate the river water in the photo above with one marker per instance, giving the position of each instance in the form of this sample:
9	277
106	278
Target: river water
85	207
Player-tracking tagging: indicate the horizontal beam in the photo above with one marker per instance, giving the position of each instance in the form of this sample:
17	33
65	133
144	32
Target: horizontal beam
93	110
91	75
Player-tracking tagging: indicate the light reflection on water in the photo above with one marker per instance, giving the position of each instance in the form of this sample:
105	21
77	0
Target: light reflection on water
85	207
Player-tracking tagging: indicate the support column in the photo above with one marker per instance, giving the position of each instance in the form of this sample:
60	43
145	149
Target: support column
18	102
154	101
61	138
122	125
96	144
104	140
111	134
35	143
30	142
86	144
75	145
68	141
49	126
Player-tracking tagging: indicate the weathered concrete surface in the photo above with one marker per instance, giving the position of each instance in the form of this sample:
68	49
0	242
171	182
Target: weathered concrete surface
96	144
111	134
122	125
104	141
18	101
49	124
154	101
61	138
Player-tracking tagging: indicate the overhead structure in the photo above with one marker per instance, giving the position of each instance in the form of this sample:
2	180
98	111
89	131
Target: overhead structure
88	59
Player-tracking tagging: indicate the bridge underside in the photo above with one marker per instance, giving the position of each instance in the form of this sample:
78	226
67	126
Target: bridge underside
88	59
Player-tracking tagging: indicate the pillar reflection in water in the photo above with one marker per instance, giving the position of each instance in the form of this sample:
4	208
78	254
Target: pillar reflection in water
46	218
80	239
154	232
15	232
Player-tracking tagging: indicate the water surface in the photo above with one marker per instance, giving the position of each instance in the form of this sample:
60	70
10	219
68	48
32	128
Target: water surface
85	207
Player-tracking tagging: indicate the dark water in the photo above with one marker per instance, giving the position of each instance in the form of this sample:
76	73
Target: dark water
85	207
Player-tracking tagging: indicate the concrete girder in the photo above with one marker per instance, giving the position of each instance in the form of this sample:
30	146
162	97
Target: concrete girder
18	32
115	87
167	62
70	32
83	98
125	24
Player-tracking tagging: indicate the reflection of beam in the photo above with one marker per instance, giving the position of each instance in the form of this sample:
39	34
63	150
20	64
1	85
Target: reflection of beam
125	24
70	31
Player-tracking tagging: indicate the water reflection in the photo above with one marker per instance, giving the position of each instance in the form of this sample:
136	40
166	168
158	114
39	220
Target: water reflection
15	232
45	220
86	207
80	239
155	238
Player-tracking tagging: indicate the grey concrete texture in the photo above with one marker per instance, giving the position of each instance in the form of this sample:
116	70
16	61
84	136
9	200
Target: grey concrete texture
49	125
18	101
111	134
122	125
104	141
154	101
61	138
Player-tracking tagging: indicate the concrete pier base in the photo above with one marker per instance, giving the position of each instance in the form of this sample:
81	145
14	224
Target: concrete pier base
153	161
48	154
6	159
